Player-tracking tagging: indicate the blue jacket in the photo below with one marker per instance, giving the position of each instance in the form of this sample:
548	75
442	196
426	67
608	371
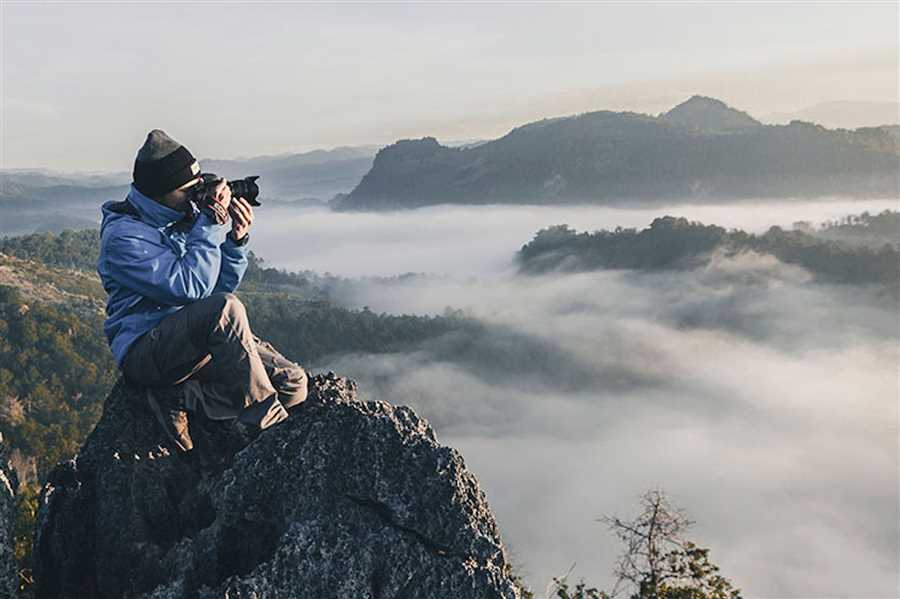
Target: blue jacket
154	260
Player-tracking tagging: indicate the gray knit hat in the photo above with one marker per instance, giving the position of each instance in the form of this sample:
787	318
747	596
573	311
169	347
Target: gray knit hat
162	165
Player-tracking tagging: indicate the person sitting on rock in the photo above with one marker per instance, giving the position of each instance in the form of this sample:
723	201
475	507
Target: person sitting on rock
173	323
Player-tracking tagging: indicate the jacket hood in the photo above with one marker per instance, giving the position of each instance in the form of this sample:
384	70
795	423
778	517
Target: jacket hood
146	209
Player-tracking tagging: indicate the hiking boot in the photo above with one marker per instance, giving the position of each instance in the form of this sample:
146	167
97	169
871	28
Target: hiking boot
170	413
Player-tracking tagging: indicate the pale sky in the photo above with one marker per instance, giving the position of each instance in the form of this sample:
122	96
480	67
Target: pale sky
83	82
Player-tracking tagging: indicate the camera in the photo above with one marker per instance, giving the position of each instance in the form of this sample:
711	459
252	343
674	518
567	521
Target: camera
240	188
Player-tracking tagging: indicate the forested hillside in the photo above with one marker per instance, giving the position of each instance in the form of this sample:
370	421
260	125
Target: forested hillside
677	243
701	150
871	230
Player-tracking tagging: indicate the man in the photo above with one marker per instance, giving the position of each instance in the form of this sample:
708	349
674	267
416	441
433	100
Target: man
173	323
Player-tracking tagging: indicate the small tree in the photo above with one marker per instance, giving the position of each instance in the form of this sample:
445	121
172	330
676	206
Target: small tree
658	562
561	590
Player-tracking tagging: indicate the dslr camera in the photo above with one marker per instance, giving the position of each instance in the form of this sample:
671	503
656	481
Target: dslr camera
241	188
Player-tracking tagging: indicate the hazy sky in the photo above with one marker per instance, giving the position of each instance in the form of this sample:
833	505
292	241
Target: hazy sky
83	82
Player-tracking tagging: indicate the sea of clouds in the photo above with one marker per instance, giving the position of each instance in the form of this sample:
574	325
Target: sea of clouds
475	240
764	404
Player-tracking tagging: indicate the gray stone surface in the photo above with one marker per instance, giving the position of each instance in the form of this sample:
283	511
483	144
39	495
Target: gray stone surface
8	578
344	499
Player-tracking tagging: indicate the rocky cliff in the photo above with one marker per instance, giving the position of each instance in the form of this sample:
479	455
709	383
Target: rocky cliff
344	499
8	576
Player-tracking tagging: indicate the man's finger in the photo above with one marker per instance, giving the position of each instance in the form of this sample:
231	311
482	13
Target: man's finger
240	211
245	209
238	216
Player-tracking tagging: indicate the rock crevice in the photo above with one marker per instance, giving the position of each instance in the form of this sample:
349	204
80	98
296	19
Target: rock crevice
384	512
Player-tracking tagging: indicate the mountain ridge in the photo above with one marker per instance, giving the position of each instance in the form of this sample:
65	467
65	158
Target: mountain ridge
842	114
700	150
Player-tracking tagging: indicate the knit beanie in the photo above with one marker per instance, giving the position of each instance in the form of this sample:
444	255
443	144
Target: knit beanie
163	165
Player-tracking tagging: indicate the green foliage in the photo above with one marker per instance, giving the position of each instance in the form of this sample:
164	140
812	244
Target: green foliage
309	331
69	249
831	261
561	590
668	243
675	243
80	250
260	278
55	371
864	229
23	535
72	288
657	562
700	578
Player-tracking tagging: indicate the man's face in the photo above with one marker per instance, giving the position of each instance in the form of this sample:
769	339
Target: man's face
180	198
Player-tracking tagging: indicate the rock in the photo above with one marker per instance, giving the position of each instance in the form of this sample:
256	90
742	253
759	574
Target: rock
8	577
344	499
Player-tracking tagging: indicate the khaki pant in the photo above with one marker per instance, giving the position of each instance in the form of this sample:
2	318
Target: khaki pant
224	370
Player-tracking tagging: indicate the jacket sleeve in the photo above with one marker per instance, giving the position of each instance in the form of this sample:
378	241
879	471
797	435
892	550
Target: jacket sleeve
144	262
234	264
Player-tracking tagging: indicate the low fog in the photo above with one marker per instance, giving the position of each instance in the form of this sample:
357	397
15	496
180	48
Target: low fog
766	405
468	240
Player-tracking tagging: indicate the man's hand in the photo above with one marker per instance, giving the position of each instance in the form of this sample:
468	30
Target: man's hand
221	194
219	199
241	218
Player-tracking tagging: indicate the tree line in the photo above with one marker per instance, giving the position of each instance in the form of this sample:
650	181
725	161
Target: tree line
671	243
873	230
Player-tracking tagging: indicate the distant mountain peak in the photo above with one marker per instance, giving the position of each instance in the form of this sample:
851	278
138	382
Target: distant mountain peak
709	114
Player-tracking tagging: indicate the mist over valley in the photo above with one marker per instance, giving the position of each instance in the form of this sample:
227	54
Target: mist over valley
762	400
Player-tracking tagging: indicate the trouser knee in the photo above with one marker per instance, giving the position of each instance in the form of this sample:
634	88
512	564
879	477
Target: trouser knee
230	305
220	304
227	310
293	386
216	313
